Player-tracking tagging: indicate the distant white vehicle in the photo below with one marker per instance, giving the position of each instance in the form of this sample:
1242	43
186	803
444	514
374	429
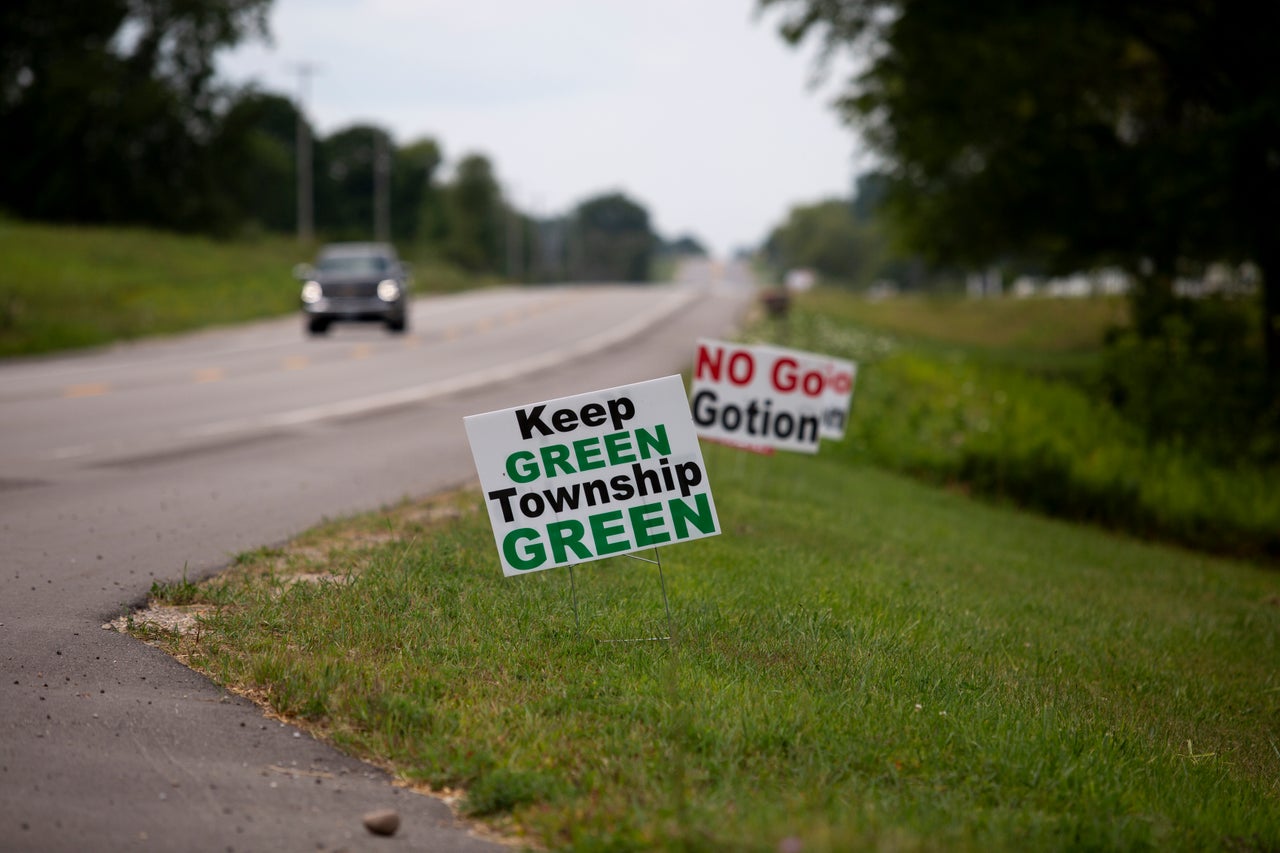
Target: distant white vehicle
800	280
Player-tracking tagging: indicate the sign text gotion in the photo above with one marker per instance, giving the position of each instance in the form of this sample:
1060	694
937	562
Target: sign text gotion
787	377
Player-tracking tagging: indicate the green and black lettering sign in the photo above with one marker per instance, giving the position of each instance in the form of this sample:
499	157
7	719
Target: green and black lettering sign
592	476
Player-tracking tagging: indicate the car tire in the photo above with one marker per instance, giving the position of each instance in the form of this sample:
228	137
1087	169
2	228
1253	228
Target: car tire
318	325
398	325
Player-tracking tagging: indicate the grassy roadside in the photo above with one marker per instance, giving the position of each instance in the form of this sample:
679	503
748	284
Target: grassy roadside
63	287
1013	415
861	660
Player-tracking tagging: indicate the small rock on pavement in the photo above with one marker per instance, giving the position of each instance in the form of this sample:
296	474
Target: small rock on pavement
382	821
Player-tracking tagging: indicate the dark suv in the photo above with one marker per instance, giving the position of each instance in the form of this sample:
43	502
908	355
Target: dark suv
355	281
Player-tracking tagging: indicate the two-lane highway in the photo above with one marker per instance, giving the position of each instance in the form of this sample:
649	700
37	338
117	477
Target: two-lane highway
192	392
141	462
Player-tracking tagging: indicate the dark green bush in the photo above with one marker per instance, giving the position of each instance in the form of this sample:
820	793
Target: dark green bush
1197	380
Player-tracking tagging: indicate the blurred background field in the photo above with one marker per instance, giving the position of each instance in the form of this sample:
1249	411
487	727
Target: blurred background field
63	287
1016	399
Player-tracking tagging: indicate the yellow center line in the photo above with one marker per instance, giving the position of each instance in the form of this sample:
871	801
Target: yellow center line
484	325
452	333
361	351
88	389
296	362
210	374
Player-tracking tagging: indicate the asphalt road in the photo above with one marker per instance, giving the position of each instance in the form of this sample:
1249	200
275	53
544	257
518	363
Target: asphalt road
137	463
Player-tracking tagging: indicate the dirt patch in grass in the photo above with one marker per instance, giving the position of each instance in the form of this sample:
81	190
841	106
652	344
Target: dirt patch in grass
179	619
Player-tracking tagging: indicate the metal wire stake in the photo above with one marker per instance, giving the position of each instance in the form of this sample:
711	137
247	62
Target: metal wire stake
657	558
662	582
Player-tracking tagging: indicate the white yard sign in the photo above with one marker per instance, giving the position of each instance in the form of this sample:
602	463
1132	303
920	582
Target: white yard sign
592	476
765	396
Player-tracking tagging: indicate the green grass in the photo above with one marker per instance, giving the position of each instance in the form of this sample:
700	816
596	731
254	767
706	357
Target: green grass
65	287
1023	423
175	593
860	661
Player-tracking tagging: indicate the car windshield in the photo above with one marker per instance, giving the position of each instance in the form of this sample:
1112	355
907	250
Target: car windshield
354	264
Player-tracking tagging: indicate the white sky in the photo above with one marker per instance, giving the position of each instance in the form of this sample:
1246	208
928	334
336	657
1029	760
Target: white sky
695	108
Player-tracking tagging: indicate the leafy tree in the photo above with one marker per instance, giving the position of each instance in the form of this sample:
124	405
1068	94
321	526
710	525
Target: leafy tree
264	181
869	191
827	238
1144	133
110	109
474	216
415	198
548	246
685	244
345	162
614	240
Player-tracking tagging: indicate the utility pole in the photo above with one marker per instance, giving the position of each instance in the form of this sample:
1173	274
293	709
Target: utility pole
381	188
302	136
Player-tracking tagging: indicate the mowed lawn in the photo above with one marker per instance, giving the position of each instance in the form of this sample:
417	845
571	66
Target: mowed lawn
859	661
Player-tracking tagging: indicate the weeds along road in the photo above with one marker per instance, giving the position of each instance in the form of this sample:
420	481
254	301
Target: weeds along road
131	465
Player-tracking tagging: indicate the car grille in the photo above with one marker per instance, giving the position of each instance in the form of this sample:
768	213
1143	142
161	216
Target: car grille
350	291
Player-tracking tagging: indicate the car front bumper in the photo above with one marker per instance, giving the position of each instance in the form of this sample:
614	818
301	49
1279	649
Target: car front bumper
354	308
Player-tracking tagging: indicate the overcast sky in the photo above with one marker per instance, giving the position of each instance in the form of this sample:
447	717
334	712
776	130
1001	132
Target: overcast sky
695	108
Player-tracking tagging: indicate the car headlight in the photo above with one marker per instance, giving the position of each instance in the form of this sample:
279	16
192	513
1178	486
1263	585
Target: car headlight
388	290
312	292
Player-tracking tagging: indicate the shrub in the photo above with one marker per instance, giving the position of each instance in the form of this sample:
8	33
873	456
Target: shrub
1199	381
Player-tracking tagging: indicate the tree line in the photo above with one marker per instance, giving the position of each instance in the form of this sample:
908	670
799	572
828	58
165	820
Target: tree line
1067	135
849	243
113	114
